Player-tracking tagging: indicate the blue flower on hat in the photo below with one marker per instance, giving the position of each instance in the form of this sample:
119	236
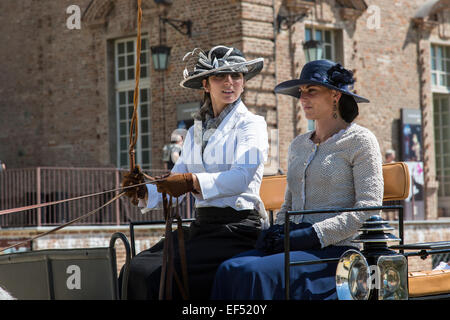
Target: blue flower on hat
317	76
339	76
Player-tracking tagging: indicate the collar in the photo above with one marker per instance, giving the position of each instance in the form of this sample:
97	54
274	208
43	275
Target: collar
212	122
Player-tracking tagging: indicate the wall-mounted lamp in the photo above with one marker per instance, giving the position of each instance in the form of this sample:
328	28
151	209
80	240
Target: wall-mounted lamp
182	26
313	50
161	53
285	22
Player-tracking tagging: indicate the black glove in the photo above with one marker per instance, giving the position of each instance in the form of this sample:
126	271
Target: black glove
302	237
268	236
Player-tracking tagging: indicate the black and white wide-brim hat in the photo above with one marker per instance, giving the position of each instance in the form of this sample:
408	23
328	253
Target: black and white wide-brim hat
220	59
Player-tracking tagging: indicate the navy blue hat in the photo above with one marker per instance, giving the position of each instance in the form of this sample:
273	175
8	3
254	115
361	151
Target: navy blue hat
325	73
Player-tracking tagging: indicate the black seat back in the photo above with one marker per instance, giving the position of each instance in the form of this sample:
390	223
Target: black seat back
62	274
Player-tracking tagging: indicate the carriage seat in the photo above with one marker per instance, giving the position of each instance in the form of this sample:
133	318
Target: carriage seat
428	283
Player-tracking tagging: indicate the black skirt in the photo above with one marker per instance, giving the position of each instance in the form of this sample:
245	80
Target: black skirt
216	235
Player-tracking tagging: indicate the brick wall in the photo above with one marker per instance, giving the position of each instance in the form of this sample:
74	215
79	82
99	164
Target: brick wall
59	82
385	60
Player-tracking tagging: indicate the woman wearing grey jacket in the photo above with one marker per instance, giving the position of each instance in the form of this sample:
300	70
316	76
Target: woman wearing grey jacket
338	165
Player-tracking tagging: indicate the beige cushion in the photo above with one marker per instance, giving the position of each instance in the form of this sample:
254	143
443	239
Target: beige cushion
272	191
396	181
396	186
425	283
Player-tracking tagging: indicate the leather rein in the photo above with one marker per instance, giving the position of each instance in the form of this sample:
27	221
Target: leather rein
168	270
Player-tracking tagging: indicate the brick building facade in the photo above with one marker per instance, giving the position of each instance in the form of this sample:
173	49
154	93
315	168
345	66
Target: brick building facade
65	93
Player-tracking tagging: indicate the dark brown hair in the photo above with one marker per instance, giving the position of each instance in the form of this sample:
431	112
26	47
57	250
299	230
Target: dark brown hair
348	108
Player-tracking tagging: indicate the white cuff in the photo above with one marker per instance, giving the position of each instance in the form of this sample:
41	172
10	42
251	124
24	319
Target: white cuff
154	197
207	186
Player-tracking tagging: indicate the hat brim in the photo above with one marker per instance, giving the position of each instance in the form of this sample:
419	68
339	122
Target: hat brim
290	88
195	82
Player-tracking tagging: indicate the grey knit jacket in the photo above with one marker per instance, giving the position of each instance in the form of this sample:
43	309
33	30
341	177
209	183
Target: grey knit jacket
345	171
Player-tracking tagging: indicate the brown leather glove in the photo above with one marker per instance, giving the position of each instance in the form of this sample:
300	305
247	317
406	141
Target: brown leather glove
132	178
176	184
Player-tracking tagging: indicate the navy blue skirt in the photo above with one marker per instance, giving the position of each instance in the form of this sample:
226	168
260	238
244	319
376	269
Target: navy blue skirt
255	276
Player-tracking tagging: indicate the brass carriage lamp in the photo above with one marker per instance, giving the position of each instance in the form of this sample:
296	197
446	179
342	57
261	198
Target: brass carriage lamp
375	273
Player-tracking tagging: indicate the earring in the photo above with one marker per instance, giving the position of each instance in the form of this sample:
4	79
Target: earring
335	109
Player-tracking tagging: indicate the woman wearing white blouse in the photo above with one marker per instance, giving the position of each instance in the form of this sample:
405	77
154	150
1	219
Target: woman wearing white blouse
338	165
222	164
